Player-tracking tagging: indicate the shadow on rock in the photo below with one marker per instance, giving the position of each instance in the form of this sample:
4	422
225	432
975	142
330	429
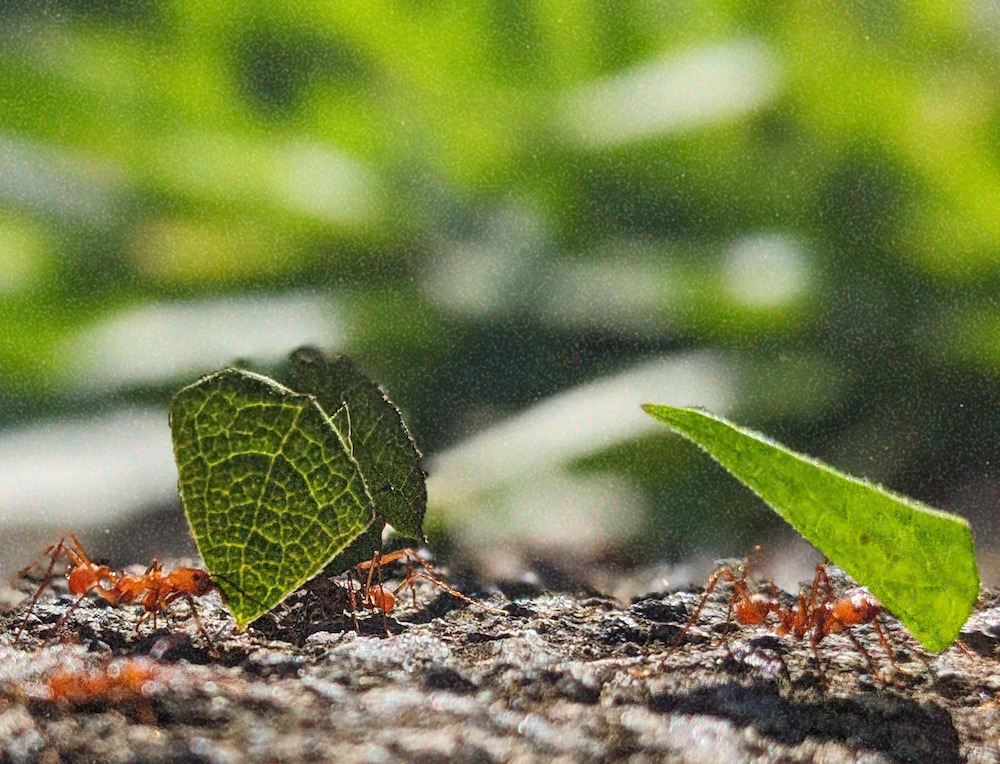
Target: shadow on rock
900	729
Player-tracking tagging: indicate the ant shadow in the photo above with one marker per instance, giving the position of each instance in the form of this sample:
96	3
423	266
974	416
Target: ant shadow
901	729
439	607
101	627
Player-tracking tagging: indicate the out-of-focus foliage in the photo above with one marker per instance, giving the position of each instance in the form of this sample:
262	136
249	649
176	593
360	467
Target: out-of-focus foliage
492	202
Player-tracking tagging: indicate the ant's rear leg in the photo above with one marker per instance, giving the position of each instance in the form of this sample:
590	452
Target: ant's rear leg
426	573
351	603
65	616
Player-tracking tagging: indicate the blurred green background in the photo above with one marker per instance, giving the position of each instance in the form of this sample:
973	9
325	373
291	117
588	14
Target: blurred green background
523	219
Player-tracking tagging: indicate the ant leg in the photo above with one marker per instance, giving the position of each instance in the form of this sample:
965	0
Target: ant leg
963	649
145	617
69	612
886	644
171	599
376	560
814	639
53	553
350	602
721	573
871	661
729	620
197	621
427	574
410	574
820	576
373	565
416	575
810	611
381	588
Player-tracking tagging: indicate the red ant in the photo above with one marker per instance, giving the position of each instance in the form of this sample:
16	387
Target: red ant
376	596
126	683
815	615
154	589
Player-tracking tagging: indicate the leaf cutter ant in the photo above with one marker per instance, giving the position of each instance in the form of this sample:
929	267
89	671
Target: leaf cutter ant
155	590
815	615
376	596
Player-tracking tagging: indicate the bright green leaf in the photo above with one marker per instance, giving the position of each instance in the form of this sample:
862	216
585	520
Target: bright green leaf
917	560
269	485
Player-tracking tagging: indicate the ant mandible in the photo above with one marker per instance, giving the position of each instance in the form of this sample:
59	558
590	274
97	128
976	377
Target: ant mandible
154	589
817	615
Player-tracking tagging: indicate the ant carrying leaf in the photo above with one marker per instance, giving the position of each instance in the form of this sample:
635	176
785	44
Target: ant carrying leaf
374	595
330	462
918	561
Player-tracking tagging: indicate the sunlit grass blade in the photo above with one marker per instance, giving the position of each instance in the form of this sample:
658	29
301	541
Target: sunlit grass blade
919	561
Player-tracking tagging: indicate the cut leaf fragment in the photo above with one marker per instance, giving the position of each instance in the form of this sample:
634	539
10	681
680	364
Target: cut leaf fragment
269	488
919	561
374	431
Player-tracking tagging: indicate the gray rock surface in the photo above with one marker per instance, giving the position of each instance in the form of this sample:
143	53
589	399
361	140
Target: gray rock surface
557	677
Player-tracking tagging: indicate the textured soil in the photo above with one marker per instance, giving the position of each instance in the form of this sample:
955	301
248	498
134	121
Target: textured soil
555	677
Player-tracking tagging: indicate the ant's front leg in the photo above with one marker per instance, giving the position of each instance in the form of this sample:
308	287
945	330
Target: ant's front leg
53	552
713	582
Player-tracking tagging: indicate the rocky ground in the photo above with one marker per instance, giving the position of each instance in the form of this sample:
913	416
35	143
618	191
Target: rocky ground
553	677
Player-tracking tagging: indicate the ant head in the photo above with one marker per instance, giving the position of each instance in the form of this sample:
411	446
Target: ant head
194	581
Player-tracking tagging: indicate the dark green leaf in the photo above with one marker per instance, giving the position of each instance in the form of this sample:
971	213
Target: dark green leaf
374	431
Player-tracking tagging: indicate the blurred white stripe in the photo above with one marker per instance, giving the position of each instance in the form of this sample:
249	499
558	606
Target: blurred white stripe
583	420
704	85
86	473
158	342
